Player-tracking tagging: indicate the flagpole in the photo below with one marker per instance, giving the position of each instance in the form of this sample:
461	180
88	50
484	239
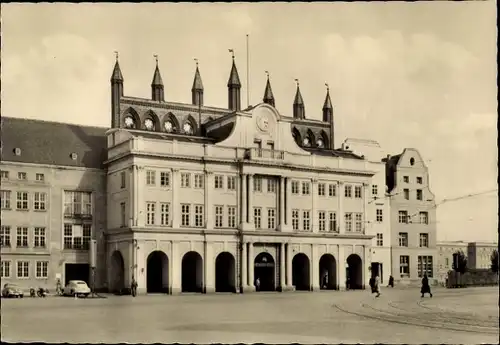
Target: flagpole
248	74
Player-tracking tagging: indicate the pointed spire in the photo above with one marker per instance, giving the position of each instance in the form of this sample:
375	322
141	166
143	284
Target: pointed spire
328	101
298	96
117	73
197	89
157	93
116	93
234	78
268	93
157	76
233	87
298	104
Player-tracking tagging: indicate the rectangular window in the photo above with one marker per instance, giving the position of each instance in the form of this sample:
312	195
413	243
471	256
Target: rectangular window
22	200
39	201
295	219
185	214
404	265
231	183
357	192
257	184
295	187
199	181
424	240
219	182
321	189
419	180
271	218
4	175
406	193
231	217
219	216
185	180
86	235
165	178
42	269
165	213
23	269
5	269
123	180
321	220
348	191
406	179
5	199
403	239
332	190
5	236
306	188
257	217
40	177
199	216
22	237
271	185
359	222
39	238
150	213
77	203
22	176
332	222
403	217
348	222
419	194
424	218
150	177
123	214
425	266
306	220
380	216
374	189
380	240
68	236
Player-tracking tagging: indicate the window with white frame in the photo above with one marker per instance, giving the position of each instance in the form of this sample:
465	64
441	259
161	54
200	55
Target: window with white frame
403	239
419	180
23	269
295	219
4	175
5	236
419	194
123	180
406	193
357	192
359	222
295	187
332	190
150	177
39	201
321	189
231	183
164	213
332	222
348	191
425	266
271	185
150	213
404	265
22	176
380	240
257	184
39	238
22	237
77	203
165	178
5	269
219	216
39	177
185	214
424	240
380	215
271	218
424	218
42	269
5	199
257	217
231	217
374	189
219	182
306	220
403	217
123	214
199	216
22	201
199	181
321	220
185	180
348	222
77	236
306	188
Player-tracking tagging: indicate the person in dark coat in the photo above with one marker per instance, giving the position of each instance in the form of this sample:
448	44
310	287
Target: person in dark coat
133	287
372	284
425	286
391	281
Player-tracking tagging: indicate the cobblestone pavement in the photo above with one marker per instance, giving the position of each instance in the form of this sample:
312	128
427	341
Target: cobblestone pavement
465	316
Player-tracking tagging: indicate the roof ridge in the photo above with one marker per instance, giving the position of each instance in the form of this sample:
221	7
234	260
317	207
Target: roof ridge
53	122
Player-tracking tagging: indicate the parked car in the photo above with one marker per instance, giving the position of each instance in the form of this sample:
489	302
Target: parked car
12	290
77	288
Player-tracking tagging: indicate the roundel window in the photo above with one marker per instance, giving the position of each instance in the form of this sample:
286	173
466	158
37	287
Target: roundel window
188	128
320	143
169	126
149	124
129	122
306	141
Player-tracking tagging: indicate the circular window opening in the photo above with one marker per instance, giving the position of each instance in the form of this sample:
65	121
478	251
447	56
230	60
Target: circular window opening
412	161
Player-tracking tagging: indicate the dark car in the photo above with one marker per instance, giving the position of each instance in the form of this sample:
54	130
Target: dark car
12	290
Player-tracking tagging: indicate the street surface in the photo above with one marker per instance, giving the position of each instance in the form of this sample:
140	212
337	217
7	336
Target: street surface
460	316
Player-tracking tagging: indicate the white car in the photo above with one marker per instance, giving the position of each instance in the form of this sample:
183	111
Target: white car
77	288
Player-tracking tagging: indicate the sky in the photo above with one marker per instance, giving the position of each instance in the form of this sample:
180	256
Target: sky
405	74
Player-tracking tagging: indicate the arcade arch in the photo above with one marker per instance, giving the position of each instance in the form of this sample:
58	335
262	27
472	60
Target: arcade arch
264	271
117	272
354	272
225	273
301	277
328	272
157	273
192	272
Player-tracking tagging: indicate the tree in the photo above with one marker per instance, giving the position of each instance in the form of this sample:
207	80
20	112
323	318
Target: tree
459	262
494	261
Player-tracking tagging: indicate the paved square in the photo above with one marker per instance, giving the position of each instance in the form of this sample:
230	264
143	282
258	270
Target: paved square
467	316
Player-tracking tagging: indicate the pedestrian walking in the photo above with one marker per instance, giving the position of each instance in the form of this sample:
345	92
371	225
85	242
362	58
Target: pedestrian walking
325	281
257	284
425	286
376	286
372	284
391	281
133	287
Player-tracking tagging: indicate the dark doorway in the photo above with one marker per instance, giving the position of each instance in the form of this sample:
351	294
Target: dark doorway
77	272
354	272
264	271
328	272
117	283
300	272
192	272
157	273
224	273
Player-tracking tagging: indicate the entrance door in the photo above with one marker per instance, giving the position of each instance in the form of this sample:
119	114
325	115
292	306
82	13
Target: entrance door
264	271
77	272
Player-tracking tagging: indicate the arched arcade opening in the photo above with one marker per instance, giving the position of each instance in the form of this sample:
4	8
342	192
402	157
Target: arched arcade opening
225	273
117	283
157	274
354	272
328	272
264	272
301	277
192	272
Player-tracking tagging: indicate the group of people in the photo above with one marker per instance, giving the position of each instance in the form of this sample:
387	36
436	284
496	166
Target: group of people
375	285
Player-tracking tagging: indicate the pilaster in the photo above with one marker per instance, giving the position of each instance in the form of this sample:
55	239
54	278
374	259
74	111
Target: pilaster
366	265
288	196
314	205
341	216
289	255
250	199
282	202
209	208
244	193
244	267
208	274
282	267
132	186
315	268
176	189
365	208
175	270
140	201
341	275
250	263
